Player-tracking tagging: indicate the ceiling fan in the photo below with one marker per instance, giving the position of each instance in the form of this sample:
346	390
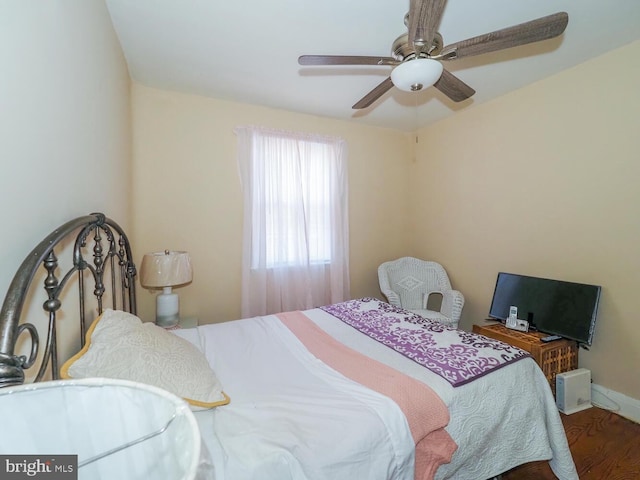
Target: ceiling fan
417	55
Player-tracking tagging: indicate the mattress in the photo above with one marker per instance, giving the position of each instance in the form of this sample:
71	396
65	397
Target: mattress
292	416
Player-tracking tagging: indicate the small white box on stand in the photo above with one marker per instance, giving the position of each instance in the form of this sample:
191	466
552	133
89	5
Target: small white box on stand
573	391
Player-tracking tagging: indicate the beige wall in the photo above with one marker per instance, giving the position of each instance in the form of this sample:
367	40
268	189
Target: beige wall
64	124
187	193
544	182
539	182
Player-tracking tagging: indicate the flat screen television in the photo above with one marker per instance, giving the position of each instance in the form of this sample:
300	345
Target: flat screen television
561	308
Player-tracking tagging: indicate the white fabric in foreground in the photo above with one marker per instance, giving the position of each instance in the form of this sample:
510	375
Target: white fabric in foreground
91	416
287	409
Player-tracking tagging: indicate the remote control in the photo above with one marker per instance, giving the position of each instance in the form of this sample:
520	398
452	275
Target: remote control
550	338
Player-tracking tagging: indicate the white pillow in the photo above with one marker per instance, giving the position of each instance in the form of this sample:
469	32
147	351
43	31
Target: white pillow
120	345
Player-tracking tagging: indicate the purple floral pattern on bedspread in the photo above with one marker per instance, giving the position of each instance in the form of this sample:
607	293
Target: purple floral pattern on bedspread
457	356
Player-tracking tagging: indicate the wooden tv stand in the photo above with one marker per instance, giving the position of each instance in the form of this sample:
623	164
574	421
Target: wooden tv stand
553	357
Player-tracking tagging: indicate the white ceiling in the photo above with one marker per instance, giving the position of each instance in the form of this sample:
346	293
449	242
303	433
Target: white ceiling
247	51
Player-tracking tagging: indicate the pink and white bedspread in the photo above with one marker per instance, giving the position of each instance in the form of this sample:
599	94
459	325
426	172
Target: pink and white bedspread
457	356
292	417
296	416
425	412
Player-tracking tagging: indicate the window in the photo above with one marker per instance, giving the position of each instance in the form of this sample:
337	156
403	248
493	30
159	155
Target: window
295	223
296	204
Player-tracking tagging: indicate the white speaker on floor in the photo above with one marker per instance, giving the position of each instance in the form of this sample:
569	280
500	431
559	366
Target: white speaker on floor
573	391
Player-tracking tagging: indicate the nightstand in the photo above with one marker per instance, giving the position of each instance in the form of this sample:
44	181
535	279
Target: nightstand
554	357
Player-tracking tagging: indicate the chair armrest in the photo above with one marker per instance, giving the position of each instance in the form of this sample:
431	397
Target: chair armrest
392	297
452	303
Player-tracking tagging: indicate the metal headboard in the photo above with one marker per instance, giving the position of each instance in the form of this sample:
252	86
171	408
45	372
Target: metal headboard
99	237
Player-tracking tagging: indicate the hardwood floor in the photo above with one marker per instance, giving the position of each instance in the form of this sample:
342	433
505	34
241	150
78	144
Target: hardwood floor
604	445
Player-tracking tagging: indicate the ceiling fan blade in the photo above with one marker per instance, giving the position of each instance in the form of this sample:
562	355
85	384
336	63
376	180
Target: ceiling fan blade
528	32
453	87
374	94
424	18
345	60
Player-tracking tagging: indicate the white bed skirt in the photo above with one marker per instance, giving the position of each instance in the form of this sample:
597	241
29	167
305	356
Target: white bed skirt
91	417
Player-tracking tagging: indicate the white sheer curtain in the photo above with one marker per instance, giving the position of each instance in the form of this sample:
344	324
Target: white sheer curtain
296	234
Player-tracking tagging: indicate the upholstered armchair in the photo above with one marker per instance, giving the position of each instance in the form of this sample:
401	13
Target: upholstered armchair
408	282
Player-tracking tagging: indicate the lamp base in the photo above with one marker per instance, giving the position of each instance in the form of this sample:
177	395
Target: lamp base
167	309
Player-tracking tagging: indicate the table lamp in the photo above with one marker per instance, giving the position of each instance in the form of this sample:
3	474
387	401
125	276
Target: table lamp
166	270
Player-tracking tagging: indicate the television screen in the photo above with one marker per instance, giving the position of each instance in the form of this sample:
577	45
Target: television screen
551	306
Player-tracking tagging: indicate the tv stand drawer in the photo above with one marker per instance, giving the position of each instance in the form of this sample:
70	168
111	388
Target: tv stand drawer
554	357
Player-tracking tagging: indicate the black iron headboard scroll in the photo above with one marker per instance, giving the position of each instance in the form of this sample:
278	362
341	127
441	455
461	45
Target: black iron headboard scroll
112	258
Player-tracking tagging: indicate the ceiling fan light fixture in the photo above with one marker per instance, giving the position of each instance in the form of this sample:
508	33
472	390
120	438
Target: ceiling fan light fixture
414	75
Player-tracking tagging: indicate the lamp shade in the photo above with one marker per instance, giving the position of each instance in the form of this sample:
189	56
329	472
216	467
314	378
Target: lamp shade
165	269
117	428
414	75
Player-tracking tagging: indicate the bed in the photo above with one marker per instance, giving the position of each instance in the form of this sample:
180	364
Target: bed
360	389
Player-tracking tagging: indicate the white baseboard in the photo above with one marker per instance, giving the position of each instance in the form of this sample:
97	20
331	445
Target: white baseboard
617	402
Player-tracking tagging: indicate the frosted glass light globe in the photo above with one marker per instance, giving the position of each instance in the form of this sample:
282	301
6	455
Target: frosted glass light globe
414	75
